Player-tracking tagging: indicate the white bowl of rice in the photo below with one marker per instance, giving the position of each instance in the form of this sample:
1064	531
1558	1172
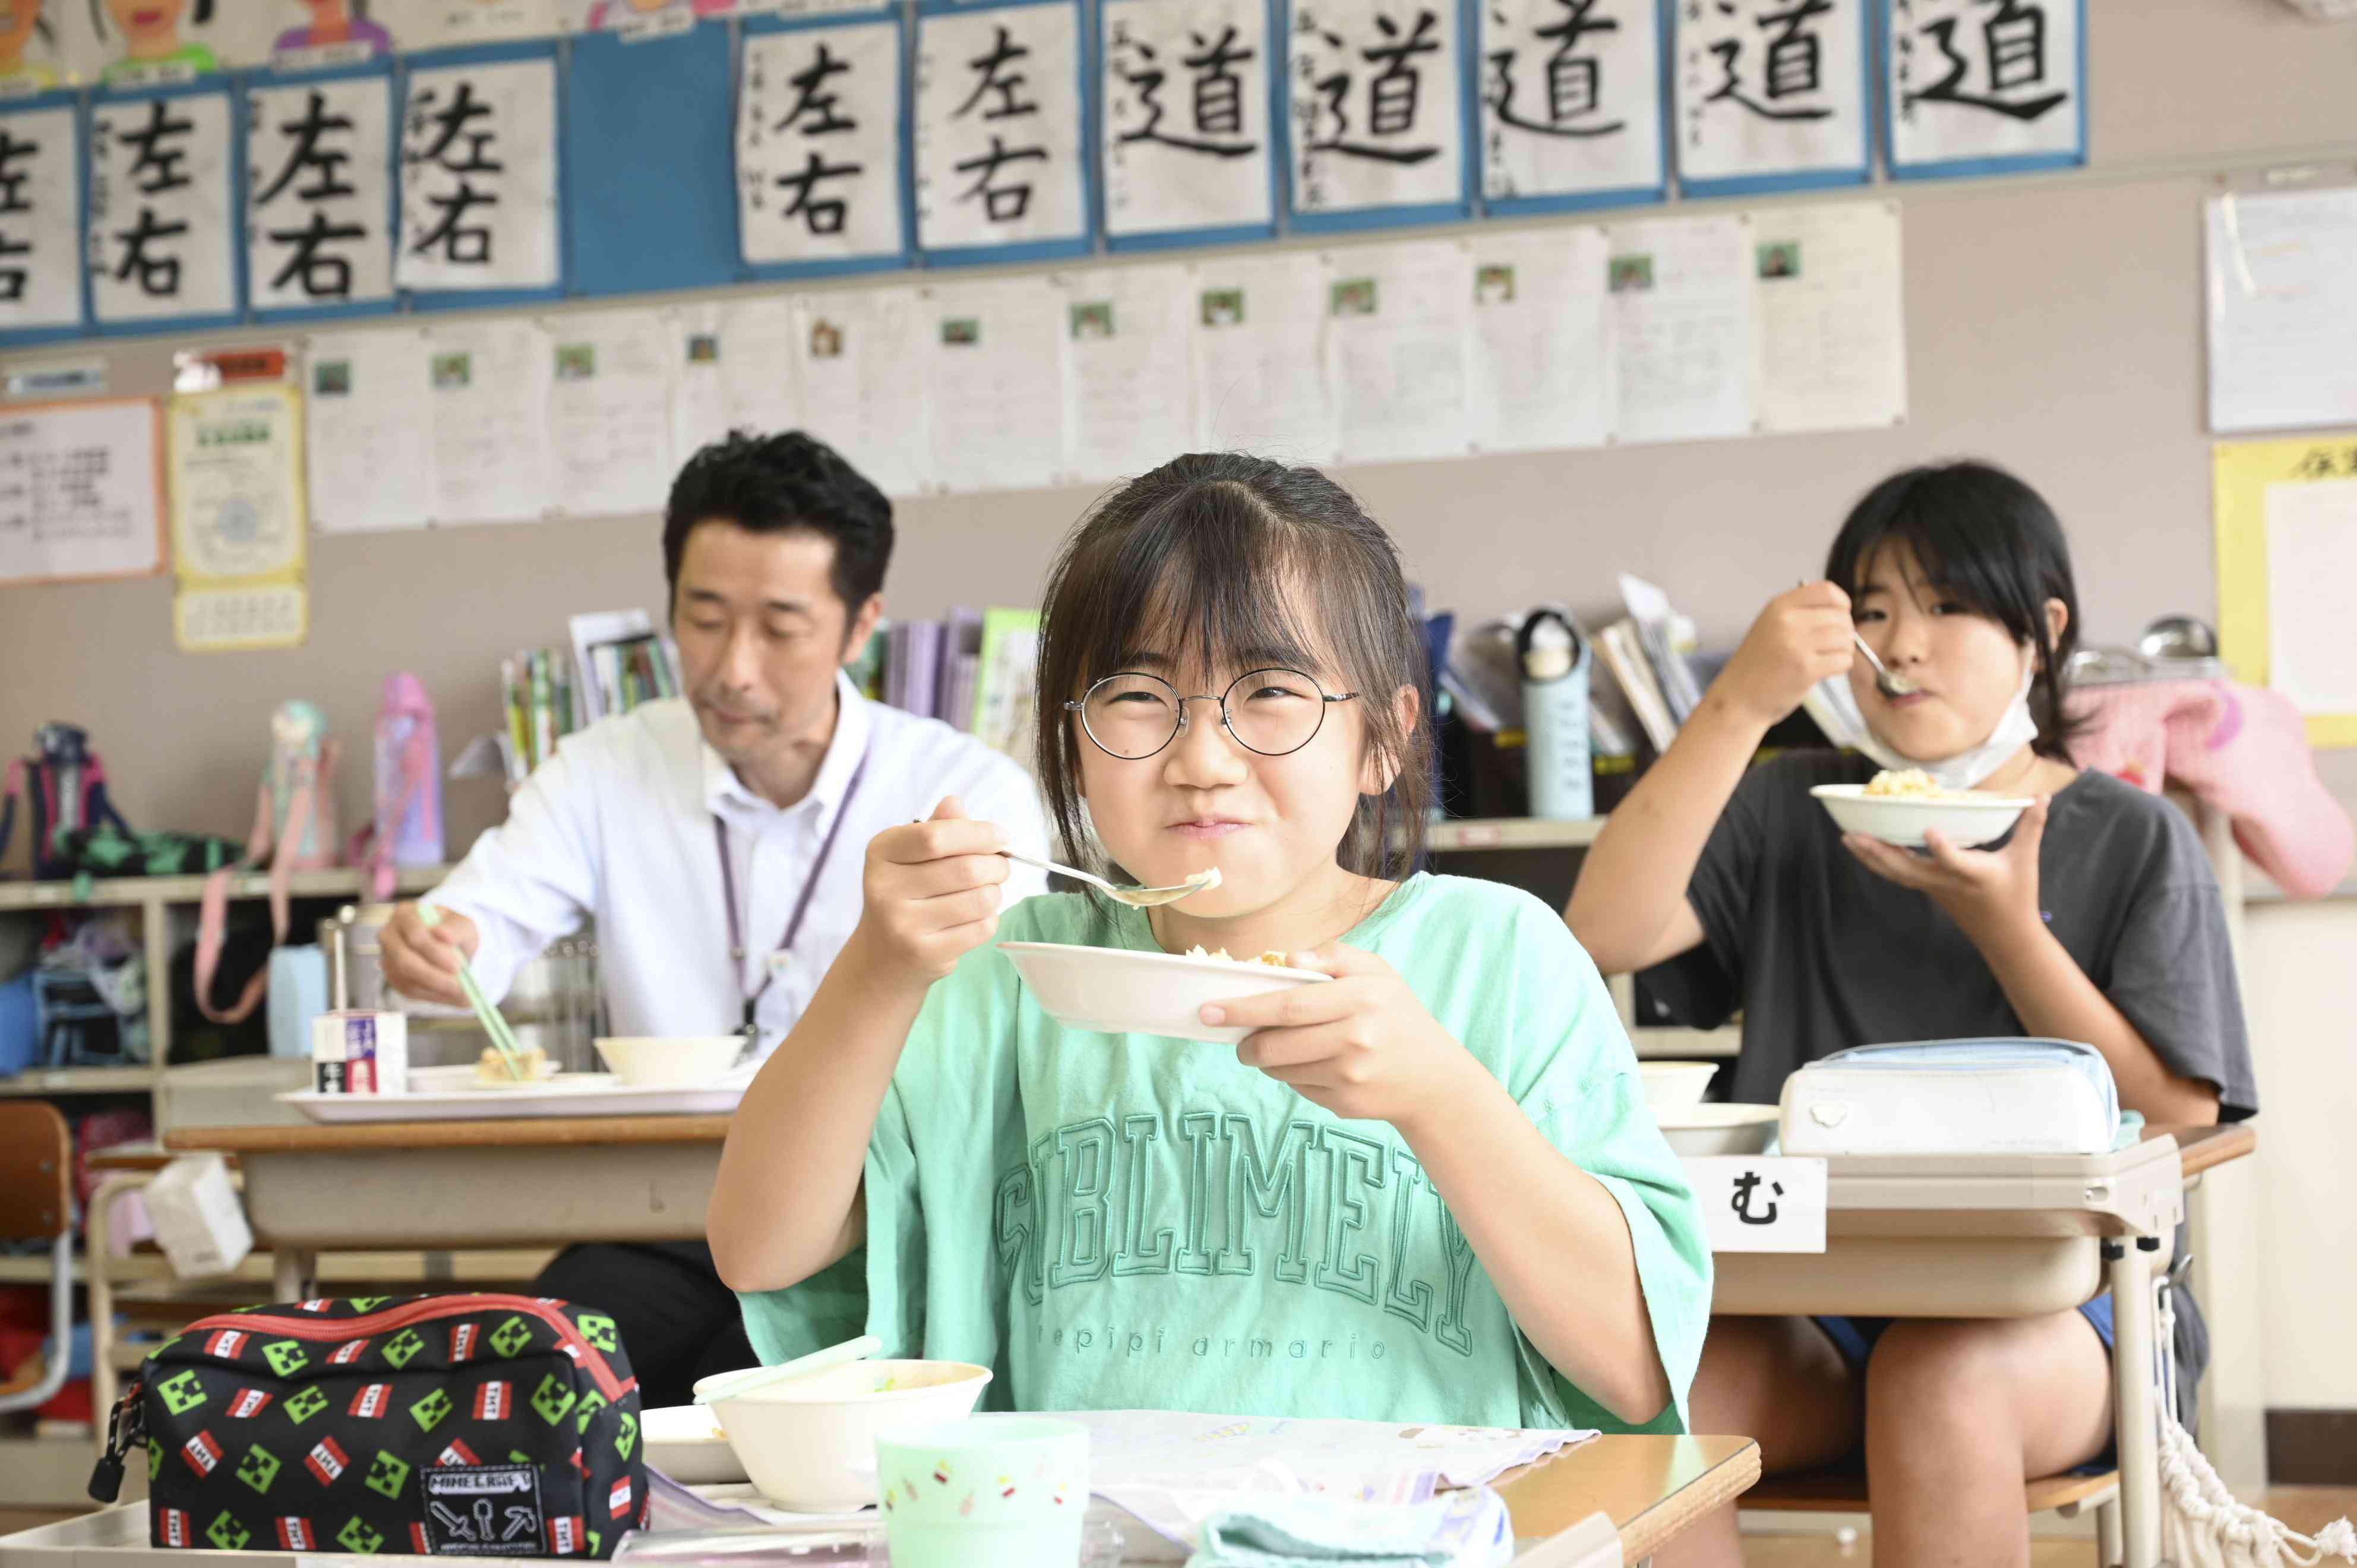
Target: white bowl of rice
1114	990
1900	808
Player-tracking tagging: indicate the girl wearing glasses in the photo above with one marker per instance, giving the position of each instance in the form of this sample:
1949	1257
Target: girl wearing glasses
1428	1191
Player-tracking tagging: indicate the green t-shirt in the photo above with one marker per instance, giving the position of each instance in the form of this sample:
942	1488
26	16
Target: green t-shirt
1129	1221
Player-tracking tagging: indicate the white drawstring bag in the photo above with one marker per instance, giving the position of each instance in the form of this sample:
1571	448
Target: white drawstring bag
2202	1525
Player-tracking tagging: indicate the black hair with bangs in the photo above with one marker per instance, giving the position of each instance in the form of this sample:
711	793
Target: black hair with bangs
1990	541
1218	558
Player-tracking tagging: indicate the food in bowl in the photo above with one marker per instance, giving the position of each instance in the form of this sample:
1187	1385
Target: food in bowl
1273	959
1910	784
531	1066
1966	817
808	1444
1119	990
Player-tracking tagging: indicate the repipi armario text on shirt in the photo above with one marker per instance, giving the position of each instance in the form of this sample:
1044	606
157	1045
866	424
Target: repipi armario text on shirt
1208	1193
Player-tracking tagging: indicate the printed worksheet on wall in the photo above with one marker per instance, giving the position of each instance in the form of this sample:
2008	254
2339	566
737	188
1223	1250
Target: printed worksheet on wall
1680	294
733	367
859	362
80	491
610	413
370	449
2283	310
1258	325
1829	333
996	382
1127	402
1396	322
489	394
1539	366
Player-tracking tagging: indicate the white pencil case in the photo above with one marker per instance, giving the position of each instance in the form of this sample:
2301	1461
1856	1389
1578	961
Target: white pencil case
1953	1097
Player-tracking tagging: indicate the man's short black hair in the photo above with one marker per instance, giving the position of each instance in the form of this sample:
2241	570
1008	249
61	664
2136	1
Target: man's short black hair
777	484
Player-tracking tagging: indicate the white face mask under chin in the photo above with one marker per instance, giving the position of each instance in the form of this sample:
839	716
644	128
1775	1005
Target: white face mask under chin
1835	708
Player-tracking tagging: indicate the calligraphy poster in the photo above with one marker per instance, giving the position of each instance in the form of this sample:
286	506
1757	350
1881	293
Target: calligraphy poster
238	520
1571	103
1772	94
991	364
1378	111
1829	332
1983	86
1128	406
999	155
818	145
1680	304
479	176
370	430
1188	141
1539	364
319	194
40	226
162	240
446	24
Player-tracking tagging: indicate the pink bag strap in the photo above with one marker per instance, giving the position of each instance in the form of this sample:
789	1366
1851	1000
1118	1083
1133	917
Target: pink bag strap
212	909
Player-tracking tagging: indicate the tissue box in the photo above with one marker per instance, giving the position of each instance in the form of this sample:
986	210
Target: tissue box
359	1052
194	1211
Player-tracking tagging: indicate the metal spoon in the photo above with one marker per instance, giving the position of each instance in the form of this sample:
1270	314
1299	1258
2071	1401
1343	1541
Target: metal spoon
1135	897
1887	684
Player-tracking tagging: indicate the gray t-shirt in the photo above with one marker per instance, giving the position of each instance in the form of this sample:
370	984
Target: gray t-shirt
1819	953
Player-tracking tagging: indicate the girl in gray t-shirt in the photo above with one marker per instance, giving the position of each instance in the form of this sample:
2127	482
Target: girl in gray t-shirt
2098	919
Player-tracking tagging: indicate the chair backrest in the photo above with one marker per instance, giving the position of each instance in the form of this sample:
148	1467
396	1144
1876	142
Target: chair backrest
36	1172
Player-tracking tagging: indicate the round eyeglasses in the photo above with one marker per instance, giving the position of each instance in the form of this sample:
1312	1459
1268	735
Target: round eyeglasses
1274	712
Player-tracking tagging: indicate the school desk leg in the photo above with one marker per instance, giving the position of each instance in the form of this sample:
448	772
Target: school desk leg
291	1269
2107	1533
2129	1270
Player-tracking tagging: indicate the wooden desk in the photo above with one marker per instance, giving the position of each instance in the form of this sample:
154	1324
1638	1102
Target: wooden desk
1651	1487
451	1184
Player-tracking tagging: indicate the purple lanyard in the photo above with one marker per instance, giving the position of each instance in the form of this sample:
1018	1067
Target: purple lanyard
802	905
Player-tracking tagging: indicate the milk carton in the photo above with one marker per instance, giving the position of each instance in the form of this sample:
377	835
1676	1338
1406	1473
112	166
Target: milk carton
359	1052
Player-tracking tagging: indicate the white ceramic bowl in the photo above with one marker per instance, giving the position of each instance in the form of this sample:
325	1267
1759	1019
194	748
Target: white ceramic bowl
1673	1086
654	1062
1112	991
809	1445
1965	822
686	1442
1719	1129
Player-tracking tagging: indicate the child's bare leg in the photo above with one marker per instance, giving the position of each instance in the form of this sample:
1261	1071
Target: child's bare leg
1959	1414
1779	1381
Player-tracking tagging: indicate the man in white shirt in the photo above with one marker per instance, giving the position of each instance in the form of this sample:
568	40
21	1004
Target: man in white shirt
718	840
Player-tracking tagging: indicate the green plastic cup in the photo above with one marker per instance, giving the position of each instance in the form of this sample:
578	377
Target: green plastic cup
995	1491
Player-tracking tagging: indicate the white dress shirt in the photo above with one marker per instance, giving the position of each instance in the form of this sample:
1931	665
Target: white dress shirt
617	828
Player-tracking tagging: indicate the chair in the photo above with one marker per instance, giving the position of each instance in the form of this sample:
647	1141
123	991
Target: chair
36	1204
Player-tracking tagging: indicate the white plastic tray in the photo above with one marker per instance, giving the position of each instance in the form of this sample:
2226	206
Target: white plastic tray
590	1094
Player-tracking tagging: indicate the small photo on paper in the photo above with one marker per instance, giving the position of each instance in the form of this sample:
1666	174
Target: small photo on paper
1493	286
453	370
331	378
1092	320
1781	260
826	340
1353	296
576	361
1631	274
1223	308
702	347
960	332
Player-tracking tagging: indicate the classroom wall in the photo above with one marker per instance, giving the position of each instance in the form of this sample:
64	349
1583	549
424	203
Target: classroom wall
2052	326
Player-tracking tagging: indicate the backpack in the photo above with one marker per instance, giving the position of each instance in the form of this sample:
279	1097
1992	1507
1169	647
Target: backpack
67	785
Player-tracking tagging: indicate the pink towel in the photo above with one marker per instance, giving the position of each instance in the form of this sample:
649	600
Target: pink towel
2242	749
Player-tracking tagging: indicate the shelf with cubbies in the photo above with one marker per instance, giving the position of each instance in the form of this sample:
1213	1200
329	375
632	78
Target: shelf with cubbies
154	899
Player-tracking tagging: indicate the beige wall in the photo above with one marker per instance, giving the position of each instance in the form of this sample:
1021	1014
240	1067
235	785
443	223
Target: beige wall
2053	325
